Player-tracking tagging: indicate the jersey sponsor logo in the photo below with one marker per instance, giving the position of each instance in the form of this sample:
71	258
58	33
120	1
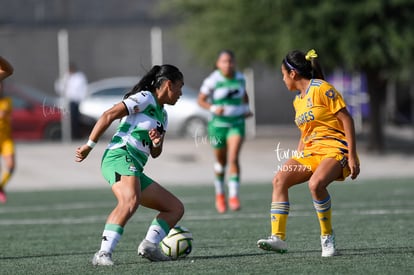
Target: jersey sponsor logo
151	111
309	103
132	168
232	93
160	127
304	118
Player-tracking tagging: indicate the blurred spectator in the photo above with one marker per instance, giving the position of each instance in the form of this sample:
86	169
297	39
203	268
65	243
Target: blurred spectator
73	86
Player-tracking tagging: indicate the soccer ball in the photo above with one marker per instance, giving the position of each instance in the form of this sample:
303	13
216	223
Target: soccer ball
178	243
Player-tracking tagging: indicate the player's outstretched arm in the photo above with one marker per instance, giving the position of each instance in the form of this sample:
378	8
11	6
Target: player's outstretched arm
116	112
349	128
6	69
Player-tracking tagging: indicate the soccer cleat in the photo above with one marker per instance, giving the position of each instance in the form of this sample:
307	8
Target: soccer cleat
328	245
102	258
152	252
234	203
3	196
273	243
221	203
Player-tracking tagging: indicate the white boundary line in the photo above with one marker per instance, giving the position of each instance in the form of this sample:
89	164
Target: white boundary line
146	216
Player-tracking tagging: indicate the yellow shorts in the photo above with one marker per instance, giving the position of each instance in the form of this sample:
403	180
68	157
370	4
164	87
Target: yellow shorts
6	147
312	161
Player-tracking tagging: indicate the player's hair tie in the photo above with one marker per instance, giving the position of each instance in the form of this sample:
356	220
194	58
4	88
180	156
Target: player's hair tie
311	54
290	67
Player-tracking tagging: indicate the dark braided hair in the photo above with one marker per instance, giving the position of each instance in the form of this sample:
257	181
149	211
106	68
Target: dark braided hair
304	64
154	78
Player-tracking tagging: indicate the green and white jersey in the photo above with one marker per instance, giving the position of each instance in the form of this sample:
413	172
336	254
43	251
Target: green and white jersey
228	93
144	114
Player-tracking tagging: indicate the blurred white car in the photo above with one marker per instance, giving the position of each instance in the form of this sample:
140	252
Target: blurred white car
185	119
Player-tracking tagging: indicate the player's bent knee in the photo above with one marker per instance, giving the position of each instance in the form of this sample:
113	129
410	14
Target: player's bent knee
278	181
176	211
315	187
179	210
218	168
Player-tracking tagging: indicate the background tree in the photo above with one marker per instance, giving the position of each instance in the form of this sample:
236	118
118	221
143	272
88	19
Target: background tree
370	36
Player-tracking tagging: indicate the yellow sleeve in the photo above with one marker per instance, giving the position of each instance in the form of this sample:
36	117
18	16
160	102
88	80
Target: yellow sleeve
331	98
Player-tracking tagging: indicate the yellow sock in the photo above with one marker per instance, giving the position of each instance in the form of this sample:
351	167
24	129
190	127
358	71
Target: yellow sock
324	213
279	212
5	178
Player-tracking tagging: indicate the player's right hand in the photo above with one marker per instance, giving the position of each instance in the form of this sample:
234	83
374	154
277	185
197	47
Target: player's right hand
82	152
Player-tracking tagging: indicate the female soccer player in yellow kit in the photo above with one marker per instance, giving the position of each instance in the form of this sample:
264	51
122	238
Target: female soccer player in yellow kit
6	141
327	146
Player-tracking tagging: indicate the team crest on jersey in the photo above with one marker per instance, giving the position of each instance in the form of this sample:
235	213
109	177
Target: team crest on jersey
309	103
330	93
136	109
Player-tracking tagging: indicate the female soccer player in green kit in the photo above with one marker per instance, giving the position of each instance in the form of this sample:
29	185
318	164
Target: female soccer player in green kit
223	92
140	134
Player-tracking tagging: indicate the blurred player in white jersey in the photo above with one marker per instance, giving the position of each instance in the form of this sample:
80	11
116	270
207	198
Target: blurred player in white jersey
223	92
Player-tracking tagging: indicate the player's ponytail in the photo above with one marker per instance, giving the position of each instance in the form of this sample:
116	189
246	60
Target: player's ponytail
146	83
154	78
311	56
305	65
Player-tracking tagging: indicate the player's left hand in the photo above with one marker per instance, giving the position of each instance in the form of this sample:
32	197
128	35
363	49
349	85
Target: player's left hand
353	164
155	136
248	114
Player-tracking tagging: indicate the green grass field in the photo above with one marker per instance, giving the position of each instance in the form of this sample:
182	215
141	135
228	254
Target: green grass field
57	232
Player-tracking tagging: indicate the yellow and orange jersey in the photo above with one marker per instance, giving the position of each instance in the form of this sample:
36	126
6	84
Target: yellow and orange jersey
322	132
5	117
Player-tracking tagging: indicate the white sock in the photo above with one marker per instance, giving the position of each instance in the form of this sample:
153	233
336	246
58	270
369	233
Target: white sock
219	186
155	234
233	188
109	240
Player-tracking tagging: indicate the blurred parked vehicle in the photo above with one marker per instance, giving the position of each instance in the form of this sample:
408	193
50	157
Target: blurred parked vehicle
185	119
35	115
